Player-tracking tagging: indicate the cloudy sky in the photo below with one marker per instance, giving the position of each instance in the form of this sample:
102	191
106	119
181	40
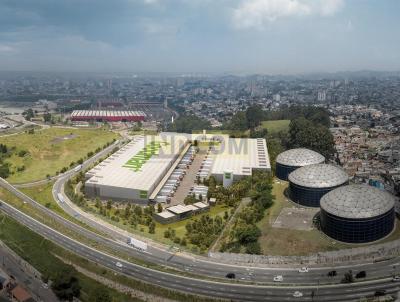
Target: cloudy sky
254	36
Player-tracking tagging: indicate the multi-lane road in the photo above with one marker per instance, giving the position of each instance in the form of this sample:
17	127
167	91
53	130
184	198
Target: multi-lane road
243	289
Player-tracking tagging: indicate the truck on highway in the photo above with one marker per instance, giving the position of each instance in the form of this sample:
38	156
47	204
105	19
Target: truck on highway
60	197
140	245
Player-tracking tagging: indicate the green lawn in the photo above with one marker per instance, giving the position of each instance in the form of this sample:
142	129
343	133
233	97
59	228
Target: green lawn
276	126
51	149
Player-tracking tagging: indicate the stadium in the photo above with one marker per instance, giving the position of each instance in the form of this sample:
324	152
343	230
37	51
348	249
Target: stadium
357	214
290	160
107	116
309	183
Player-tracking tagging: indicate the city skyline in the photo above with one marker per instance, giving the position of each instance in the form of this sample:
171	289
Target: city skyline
254	36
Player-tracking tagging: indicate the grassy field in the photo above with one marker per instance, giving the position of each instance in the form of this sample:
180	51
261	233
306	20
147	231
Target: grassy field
276	126
49	150
279	241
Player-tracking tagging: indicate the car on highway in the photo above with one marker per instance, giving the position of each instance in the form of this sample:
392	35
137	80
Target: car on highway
230	276
332	273
304	269
396	279
380	293
361	274
278	278
118	264
297	294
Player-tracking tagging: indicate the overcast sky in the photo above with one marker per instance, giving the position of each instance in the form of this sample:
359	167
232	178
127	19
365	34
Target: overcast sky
253	36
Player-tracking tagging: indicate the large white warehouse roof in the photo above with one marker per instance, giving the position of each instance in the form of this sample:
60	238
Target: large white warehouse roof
240	156
139	165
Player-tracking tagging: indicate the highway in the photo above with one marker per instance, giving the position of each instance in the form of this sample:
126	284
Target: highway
200	265
232	291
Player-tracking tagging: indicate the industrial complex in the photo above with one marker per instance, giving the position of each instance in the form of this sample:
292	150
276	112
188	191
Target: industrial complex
151	167
107	116
290	160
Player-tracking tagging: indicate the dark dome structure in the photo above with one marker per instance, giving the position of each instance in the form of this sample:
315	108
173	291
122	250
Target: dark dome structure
357	213
309	183
290	160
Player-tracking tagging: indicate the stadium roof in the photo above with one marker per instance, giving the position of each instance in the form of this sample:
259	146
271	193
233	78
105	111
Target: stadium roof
318	176
106	113
299	157
357	201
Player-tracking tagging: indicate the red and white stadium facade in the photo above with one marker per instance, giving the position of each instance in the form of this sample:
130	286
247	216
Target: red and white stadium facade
107	116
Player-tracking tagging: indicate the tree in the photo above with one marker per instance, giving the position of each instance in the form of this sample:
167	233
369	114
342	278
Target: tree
28	114
152	228
100	294
159	208
188	123
348	277
254	116
305	134
47	117
237	122
4	170
65	285
247	233
253	248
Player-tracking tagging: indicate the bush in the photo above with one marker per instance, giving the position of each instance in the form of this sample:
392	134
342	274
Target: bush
253	248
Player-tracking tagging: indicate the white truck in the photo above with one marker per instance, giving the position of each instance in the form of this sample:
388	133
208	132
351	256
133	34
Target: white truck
137	244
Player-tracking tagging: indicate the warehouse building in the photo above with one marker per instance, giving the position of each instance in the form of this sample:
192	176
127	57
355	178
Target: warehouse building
134	171
290	160
309	183
357	214
235	158
107	116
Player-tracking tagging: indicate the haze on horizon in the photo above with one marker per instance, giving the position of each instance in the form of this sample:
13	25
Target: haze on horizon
253	36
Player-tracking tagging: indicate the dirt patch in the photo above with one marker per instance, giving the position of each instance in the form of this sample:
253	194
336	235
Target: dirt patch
60	139
295	219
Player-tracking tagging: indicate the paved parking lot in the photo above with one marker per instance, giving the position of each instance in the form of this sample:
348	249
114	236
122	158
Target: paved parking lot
189	179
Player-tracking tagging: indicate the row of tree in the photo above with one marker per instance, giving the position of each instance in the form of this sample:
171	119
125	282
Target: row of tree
245	232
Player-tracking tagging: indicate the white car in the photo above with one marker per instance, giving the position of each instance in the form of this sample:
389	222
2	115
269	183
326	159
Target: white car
278	278
304	269
118	264
396	279
297	294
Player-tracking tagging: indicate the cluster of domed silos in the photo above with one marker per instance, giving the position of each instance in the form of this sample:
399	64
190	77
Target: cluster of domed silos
348	213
